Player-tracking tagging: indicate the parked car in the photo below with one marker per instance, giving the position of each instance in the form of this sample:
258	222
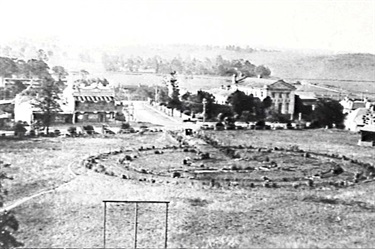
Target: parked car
241	125
207	127
189	120
219	126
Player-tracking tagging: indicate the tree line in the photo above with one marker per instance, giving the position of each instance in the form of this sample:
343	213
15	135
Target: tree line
156	64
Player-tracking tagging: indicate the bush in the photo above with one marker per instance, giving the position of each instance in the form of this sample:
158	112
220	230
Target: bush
8	221
19	129
89	129
125	126
72	130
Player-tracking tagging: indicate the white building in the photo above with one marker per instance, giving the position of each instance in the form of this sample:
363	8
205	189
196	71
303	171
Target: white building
281	92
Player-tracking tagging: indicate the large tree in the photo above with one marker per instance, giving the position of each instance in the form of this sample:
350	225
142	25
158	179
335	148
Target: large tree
60	72
240	102
328	112
38	68
7	67
262	71
174	101
47	101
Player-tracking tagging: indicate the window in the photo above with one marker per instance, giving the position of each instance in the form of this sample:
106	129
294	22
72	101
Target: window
287	95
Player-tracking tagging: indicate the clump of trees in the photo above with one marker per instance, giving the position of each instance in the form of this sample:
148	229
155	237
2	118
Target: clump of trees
328	112
249	108
207	66
45	97
36	69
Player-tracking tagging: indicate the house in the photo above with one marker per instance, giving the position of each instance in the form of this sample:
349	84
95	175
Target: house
94	105
308	99
281	92
89	104
360	117
354	120
367	136
5	117
350	105
26	112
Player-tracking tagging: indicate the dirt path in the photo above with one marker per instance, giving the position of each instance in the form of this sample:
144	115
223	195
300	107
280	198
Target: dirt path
45	191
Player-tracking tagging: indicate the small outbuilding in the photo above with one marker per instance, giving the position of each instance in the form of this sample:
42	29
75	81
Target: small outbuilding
367	136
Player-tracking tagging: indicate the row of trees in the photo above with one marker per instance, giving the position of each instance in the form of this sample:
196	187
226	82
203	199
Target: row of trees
188	66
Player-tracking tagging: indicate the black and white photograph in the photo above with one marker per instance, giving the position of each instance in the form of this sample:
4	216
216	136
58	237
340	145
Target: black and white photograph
187	124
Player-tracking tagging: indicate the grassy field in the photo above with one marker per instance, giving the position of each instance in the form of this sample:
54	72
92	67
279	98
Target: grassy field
200	216
331	141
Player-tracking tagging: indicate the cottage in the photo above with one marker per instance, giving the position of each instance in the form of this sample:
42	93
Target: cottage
94	105
354	121
367	136
350	105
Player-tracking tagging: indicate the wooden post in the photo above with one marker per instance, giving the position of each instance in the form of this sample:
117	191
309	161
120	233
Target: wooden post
166	226
136	225
105	217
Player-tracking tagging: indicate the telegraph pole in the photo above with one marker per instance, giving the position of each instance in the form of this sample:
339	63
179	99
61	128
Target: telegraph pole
204	102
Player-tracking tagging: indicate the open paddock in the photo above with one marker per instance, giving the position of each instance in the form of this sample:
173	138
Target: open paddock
203	215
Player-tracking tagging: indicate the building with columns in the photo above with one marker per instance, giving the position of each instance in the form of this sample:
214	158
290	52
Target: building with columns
281	92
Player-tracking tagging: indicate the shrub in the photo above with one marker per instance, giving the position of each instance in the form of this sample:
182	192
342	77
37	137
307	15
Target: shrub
72	130
8	221
19	129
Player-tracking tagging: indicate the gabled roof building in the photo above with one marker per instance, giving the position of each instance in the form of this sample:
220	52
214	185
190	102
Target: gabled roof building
281	92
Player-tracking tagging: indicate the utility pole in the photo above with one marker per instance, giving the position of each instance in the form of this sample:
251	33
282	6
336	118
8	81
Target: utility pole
204	102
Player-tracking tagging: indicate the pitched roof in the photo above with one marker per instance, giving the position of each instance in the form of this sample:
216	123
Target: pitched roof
357	115
368	128
222	92
6	101
256	82
269	83
94	92
307	95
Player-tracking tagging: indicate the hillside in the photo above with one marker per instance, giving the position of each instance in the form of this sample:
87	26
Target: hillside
283	64
341	67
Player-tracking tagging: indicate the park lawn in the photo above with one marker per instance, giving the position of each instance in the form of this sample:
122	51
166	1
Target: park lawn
42	163
72	216
331	141
201	216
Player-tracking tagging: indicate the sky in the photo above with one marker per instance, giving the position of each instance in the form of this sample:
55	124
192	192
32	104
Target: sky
338	26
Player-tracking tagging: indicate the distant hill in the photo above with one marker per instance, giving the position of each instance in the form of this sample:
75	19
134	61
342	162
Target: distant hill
340	67
283	64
